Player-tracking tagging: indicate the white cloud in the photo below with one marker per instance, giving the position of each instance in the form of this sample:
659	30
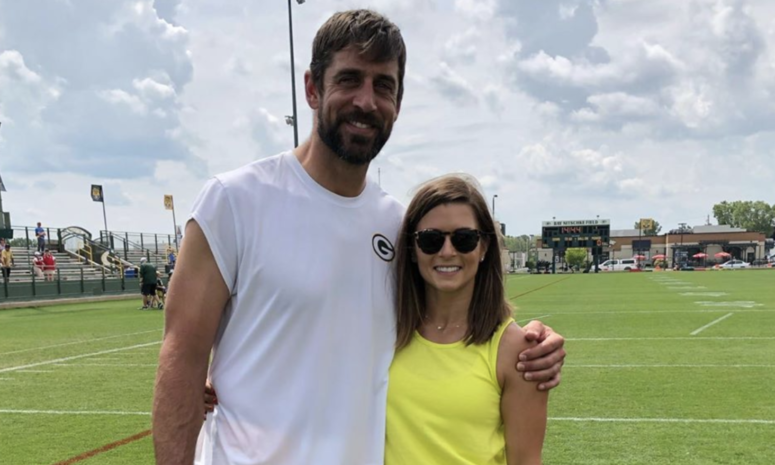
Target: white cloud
454	86
120	97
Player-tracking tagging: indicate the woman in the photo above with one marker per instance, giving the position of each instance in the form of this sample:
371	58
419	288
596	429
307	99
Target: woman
454	397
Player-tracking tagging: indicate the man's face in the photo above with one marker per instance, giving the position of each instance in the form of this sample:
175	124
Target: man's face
358	106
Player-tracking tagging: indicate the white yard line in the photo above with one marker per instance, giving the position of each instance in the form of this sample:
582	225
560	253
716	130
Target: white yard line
107	364
75	357
663	420
647	312
73	412
677	338
79	342
668	366
532	318
35	371
570	419
699	330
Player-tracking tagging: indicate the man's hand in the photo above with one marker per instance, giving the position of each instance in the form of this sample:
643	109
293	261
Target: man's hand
211	398
543	362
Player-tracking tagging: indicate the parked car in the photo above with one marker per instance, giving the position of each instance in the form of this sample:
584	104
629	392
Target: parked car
625	264
735	265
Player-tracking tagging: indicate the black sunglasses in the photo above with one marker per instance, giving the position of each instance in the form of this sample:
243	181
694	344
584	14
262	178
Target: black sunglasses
431	241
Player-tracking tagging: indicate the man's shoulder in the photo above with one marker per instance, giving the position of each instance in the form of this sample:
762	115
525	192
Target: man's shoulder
250	173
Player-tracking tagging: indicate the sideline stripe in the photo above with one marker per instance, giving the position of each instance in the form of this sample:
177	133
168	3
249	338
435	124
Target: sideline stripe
663	420
699	330
677	338
74	412
105	448
78	342
668	366
532	318
75	357
539	288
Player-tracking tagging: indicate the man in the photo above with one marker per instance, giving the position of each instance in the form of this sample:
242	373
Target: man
6	261
38	266
285	274
49	265
147	283
40	233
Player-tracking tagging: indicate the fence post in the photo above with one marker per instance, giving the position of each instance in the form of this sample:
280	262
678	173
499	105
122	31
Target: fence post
83	289
59	282
103	280
27	236
156	240
5	286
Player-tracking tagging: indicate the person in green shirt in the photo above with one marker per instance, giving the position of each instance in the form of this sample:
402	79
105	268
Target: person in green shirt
147	282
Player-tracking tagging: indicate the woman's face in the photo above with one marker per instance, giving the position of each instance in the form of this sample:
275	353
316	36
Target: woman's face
449	270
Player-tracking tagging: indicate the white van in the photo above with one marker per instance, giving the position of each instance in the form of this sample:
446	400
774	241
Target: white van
625	264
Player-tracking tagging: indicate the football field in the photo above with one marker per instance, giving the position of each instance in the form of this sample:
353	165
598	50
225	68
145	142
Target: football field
663	368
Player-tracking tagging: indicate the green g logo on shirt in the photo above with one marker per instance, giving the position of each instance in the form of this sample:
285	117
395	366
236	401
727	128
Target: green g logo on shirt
383	248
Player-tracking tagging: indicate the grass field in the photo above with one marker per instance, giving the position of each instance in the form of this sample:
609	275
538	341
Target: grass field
663	368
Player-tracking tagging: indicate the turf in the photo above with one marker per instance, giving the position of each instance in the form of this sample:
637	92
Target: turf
638	387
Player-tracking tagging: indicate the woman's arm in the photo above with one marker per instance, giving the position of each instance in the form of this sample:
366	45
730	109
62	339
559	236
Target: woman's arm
523	407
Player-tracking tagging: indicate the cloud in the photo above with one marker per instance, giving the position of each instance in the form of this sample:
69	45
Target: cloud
104	100
453	86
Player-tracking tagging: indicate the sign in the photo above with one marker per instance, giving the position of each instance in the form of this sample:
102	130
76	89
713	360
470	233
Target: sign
96	193
591	234
168	203
646	224
577	223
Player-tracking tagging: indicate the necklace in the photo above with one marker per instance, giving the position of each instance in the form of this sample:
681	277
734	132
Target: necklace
440	327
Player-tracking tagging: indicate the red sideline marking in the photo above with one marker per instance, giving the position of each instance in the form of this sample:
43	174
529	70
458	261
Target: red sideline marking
105	448
534	290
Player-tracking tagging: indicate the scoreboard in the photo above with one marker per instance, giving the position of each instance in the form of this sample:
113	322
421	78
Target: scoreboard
560	235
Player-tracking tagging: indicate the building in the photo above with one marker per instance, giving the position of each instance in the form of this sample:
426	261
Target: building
681	246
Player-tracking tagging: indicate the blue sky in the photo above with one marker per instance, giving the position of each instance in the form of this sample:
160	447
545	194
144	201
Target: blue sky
568	109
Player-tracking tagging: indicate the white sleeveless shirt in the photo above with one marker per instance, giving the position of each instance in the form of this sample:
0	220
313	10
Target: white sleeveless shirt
301	359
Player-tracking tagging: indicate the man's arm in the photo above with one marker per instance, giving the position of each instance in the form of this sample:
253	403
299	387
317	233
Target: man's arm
195	304
543	362
523	408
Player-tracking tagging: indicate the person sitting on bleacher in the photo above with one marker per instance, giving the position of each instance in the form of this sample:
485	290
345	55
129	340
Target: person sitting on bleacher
50	265
37	265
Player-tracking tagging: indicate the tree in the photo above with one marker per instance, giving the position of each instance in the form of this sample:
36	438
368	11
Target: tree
575	256
752	216
650	232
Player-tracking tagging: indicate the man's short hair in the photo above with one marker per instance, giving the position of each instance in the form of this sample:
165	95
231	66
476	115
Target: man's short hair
373	35
143	260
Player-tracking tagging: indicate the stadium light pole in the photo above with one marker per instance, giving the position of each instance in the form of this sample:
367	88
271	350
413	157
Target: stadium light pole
295	117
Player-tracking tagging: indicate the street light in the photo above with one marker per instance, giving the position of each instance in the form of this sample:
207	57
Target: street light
295	120
493	205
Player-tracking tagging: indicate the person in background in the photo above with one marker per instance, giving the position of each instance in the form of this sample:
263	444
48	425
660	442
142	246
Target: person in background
161	291
147	283
49	265
6	261
38	266
40	234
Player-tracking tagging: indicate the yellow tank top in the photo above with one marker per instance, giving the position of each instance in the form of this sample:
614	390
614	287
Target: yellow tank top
443	405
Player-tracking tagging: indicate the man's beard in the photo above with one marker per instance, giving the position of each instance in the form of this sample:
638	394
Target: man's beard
358	150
